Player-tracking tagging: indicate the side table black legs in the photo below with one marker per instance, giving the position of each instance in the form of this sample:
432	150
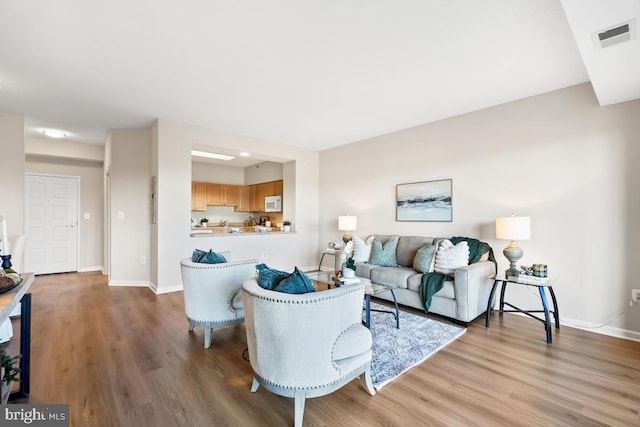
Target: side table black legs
545	305
25	348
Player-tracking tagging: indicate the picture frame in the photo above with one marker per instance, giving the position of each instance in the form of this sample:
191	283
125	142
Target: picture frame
425	201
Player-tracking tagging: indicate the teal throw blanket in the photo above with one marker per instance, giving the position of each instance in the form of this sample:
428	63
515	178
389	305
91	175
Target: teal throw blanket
432	283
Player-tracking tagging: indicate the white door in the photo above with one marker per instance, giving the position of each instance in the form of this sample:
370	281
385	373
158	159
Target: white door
51	224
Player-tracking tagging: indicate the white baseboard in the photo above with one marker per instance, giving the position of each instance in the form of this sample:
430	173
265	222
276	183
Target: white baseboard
175	288
604	330
132	283
94	268
595	328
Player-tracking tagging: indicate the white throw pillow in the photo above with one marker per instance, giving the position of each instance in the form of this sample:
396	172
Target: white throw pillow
362	249
449	257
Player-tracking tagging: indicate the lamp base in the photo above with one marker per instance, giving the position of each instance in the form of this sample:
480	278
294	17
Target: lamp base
513	253
346	237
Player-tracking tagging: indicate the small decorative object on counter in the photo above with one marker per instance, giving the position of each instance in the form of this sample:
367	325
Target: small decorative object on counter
204	221
286	225
539	270
349	268
526	270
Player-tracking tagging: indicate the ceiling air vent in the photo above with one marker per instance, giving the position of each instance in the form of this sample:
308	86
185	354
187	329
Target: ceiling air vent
614	35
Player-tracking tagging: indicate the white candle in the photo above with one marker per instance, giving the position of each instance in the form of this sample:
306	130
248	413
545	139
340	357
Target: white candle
4	237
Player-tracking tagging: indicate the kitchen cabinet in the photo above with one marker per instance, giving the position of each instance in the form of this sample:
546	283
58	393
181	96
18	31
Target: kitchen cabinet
198	196
259	191
215	194
222	194
231	194
256	204
244	199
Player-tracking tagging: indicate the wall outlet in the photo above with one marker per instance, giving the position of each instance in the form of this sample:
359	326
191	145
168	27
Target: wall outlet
264	254
143	260
635	295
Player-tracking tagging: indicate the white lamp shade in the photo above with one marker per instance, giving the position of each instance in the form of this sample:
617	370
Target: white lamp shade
347	223
513	228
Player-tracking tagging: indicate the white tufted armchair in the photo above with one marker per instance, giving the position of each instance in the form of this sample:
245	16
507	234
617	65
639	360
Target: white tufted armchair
306	345
212	297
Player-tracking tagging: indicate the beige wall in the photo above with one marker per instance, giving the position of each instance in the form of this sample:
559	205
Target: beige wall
208	172
130	194
12	173
559	157
174	177
64	149
91	202
262	172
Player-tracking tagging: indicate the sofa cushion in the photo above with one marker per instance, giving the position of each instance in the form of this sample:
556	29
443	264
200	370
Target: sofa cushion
362	249
392	276
364	269
450	257
352	342
296	283
384	255
269	277
448	290
424	259
407	248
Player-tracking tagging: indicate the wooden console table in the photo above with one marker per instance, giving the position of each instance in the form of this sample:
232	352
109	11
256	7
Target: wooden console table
8	301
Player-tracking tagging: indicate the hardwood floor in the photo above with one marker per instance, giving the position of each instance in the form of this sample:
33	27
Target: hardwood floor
123	357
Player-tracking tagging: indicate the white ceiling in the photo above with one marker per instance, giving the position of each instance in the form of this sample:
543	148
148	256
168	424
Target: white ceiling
310	73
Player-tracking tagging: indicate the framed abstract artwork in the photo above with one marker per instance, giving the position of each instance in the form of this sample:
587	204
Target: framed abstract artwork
424	201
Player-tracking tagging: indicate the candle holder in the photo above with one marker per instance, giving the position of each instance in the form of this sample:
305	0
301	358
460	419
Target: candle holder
6	261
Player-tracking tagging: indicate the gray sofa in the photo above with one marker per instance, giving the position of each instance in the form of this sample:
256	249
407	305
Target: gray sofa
462	299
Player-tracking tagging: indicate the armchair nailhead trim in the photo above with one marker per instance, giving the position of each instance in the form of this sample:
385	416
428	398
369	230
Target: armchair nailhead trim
216	323
306	301
342	377
201	266
333	362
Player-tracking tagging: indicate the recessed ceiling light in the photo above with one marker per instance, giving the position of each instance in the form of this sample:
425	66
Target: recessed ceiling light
245	154
54	133
211	155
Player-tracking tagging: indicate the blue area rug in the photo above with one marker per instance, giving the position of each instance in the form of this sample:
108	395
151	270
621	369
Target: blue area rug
395	351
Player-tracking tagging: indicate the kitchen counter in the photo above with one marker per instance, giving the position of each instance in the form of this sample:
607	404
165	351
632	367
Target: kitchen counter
228	231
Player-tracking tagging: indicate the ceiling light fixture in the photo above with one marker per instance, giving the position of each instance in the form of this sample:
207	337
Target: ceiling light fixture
245	154
54	133
211	155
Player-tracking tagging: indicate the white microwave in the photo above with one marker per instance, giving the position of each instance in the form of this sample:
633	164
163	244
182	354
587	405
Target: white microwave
273	204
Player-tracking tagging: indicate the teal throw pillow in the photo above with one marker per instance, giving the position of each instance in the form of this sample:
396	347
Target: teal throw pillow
210	257
384	255
423	261
296	283
269	277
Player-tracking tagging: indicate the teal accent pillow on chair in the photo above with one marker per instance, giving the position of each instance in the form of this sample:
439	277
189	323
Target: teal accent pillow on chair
207	257
269	277
384	255
296	283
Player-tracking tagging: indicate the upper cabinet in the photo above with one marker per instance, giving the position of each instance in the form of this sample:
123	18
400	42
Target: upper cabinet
231	194
245	198
259	191
198	196
215	194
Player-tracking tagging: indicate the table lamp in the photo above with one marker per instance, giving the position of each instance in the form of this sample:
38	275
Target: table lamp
347	223
513	228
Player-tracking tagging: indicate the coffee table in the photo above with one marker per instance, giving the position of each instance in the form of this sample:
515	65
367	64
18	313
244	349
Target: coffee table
329	278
